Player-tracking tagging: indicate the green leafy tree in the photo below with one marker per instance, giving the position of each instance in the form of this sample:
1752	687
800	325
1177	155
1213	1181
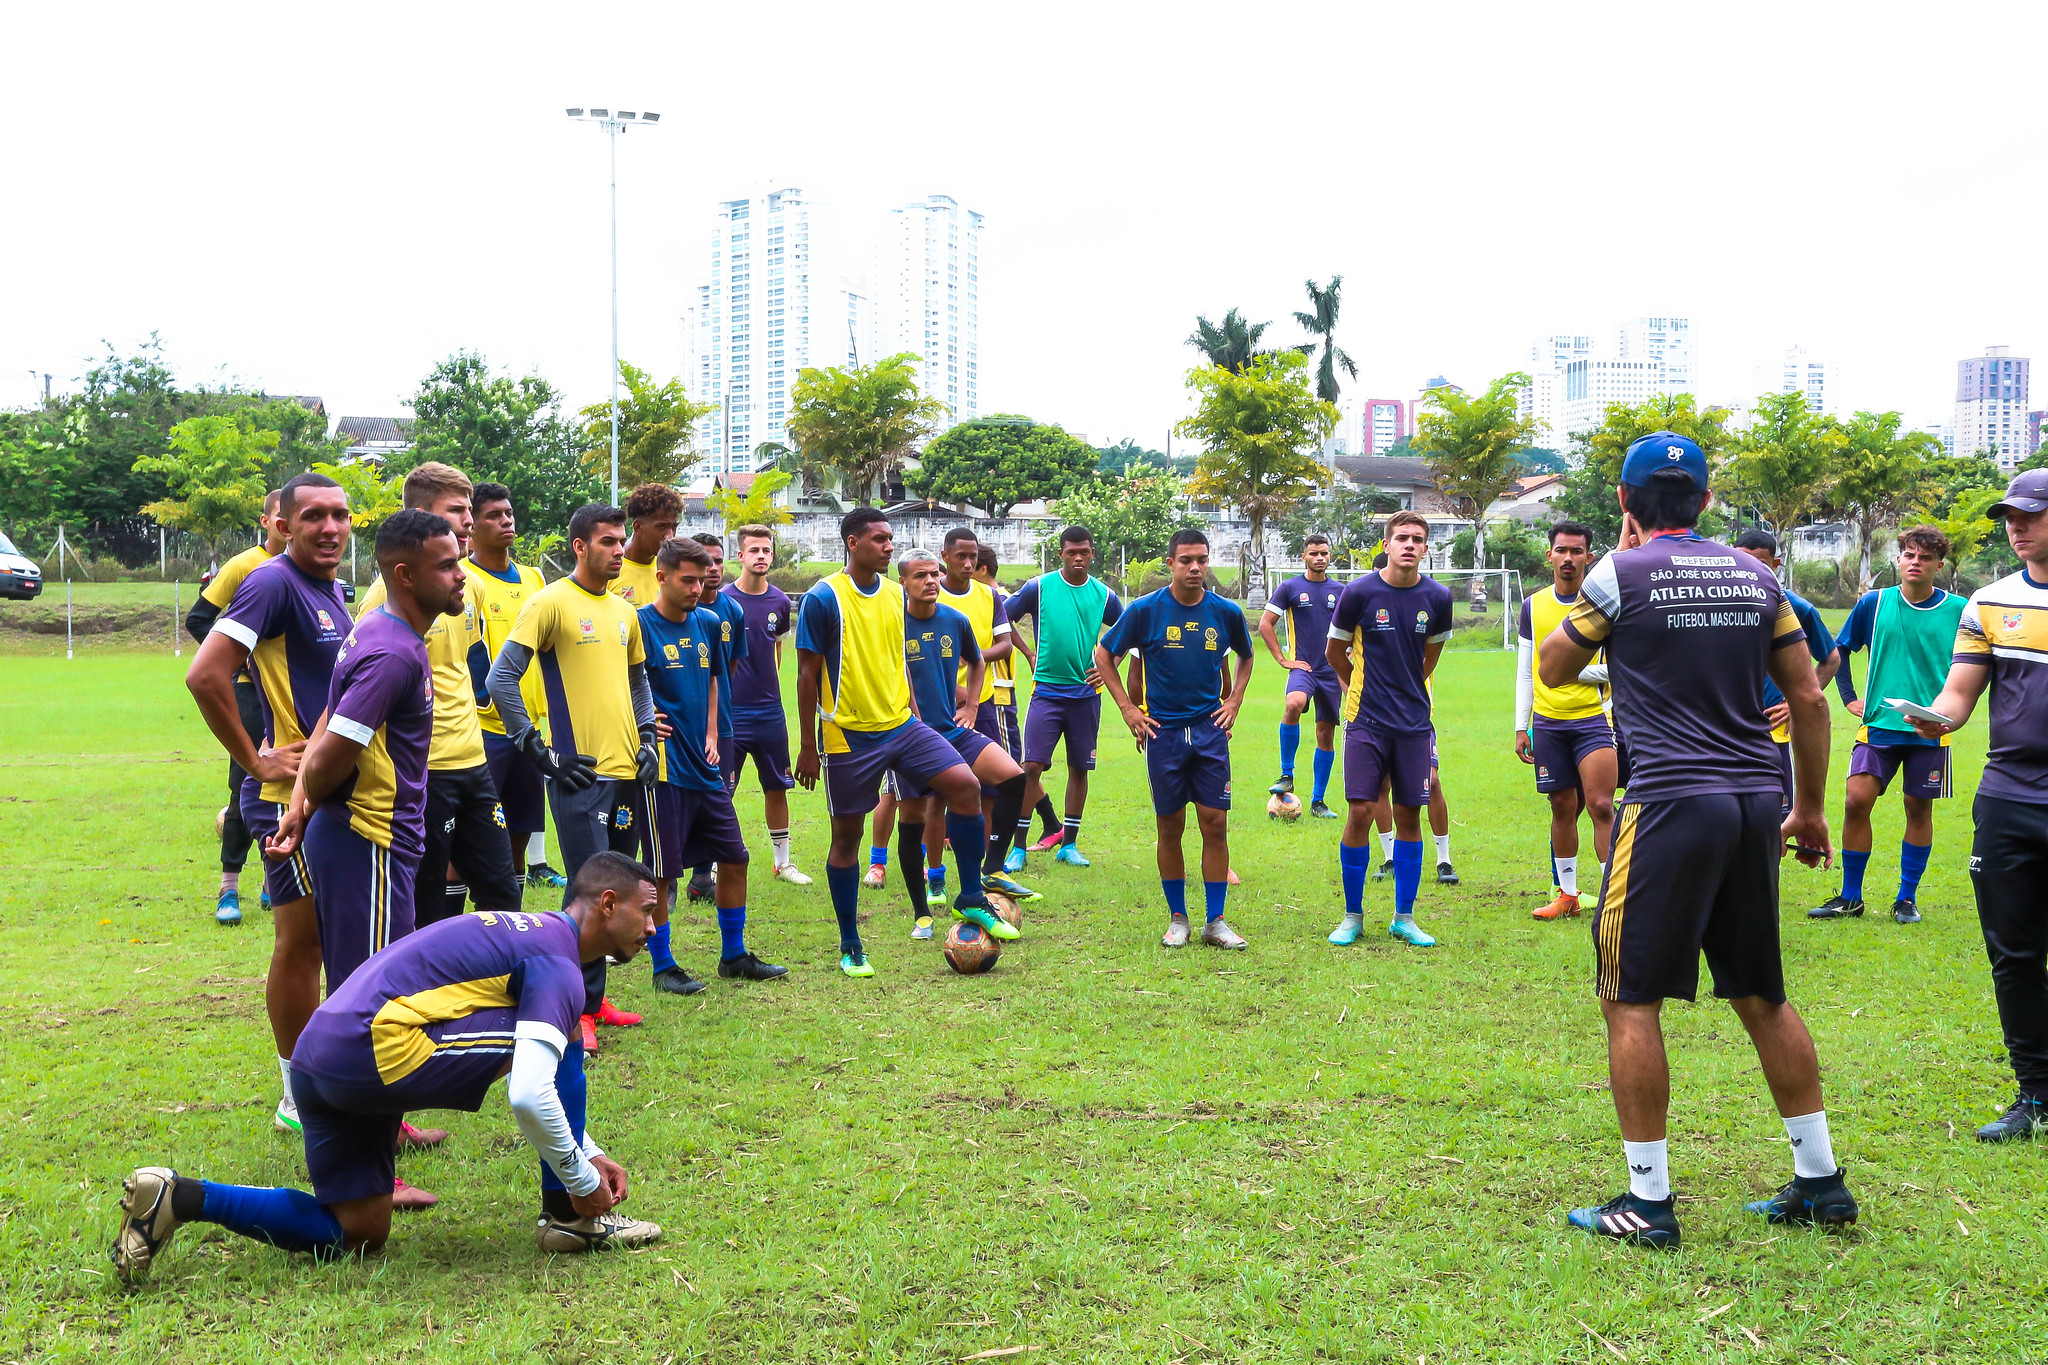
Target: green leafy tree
757	506
1127	453
1131	515
655	425
1232	344
1350	517
372	495
1001	460
1472	444
39	462
501	428
302	439
862	422
1320	322
816	481
1260	429
1964	522
1526	552
1782	463
1878	475
214	473
1588	492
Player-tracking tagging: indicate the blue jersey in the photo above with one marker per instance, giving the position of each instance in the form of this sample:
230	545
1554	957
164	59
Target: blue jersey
730	646
1183	648
767	616
1308	607
934	649
1818	642
1389	630
683	660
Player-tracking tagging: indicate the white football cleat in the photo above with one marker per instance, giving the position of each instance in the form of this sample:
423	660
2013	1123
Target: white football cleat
146	1220
788	873
609	1229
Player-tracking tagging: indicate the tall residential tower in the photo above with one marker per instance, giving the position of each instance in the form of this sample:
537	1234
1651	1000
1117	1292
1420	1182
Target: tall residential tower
1991	406
928	279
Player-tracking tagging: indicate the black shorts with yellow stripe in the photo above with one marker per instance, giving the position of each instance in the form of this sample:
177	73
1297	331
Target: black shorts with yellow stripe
1698	874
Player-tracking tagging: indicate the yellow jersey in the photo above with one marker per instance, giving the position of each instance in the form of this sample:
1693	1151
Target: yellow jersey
498	602
978	605
583	642
221	590
865	687
458	741
1542	611
637	583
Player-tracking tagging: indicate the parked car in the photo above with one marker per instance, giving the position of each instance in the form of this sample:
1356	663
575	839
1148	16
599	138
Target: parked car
20	579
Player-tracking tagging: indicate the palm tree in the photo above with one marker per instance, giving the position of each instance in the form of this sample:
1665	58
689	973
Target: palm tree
1233	345
1321	322
815	480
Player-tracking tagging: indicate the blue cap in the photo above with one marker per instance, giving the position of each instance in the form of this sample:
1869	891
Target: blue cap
1664	450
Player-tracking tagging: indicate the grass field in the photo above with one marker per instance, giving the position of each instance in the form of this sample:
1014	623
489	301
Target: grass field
1101	1151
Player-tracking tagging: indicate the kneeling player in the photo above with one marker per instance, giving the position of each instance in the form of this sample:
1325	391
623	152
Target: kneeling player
692	820
431	1023
1182	633
856	722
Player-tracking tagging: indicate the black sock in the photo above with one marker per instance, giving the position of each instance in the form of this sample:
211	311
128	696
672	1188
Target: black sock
1009	801
555	1204
1047	814
458	896
910	856
188	1200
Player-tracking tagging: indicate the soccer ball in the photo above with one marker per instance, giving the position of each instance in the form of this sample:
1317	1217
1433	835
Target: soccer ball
1007	910
1283	806
220	822
969	951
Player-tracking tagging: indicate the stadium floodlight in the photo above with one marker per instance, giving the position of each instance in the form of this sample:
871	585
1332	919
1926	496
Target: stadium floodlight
613	126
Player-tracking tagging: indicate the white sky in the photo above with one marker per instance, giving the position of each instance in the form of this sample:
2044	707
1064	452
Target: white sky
329	199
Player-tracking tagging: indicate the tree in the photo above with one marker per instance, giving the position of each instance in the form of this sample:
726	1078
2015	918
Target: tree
1879	474
655	422
1472	446
372	496
1001	460
498	428
1126	453
214	470
302	439
863	421
1350	517
1233	345
1321	322
1781	464
1260	428
1131	516
1588	493
756	506
1965	524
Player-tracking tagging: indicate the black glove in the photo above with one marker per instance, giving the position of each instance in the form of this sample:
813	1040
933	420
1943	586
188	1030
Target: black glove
649	761
573	772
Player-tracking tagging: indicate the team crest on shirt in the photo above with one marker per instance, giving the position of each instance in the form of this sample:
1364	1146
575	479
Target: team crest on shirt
946	648
1304	597
626	591
326	621
624	635
589	626
1422	622
1173	635
1542	773
703	654
622	818
2011	620
725	632
1381	619
674	655
771	622
498	814
1209	638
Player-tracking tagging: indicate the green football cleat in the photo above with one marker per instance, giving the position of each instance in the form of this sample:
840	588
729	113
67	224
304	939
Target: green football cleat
983	914
856	964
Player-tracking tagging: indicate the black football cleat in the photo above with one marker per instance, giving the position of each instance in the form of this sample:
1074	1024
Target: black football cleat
1284	787
1818	1201
1386	870
1905	912
676	981
1321	810
747	967
2025	1119
1837	907
1644	1222
1446	874
700	888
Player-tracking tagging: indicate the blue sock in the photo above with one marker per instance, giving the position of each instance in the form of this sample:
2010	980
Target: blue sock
575	1093
1290	740
844	884
1325	760
1353	864
1407	874
290	1220
1912	862
968	834
1853	864
1212	898
732	932
658	955
1176	896
935	878
877	856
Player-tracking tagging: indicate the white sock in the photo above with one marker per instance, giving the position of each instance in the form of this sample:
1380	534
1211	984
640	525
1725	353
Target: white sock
284	1068
1649	1169
1812	1153
1404	917
1443	848
537	848
1387	846
1567	874
779	840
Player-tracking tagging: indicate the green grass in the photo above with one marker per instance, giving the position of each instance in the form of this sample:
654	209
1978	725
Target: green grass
1101	1149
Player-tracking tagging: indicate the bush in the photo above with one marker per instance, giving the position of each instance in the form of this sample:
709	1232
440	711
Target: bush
794	581
1524	548
1821	582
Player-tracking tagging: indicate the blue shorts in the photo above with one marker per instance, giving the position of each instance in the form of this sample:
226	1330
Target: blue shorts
362	893
1011	735
968	744
1322	686
522	791
1926	765
1189	763
1560	746
853	780
1078	720
285	880
1373	758
692	827
762	736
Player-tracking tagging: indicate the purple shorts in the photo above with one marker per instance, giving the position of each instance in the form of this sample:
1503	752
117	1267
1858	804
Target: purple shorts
763	737
522	791
1322	686
362	893
1189	763
967	744
1926	765
1373	757
1078	720
285	880
1011	733
1785	770
1561	745
692	827
913	750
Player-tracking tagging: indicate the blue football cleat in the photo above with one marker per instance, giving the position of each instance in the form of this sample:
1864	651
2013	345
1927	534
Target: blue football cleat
1410	933
229	910
1347	931
266	901
1013	861
1822	1201
1645	1222
1070	854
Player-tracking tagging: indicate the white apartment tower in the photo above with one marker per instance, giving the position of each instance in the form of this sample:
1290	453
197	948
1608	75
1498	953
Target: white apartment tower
1798	372
1991	407
929	286
1572	379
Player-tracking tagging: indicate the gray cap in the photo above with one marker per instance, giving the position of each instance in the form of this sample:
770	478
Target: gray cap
2028	492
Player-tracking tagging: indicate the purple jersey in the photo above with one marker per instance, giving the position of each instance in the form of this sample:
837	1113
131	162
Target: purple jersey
292	624
1689	627
1308	607
1390	630
438	1010
383	699
765	617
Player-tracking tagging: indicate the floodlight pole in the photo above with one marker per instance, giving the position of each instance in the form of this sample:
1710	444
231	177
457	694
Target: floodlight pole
614	123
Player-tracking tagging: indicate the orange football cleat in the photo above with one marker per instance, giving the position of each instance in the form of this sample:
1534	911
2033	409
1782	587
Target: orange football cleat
611	1016
1566	906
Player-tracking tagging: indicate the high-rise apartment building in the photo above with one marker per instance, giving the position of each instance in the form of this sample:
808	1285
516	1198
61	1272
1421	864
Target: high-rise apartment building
1544	400
1573	378
1665	343
1991	406
928	282
1798	372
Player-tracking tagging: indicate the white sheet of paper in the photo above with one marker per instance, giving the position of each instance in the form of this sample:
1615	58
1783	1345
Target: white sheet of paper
1916	711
